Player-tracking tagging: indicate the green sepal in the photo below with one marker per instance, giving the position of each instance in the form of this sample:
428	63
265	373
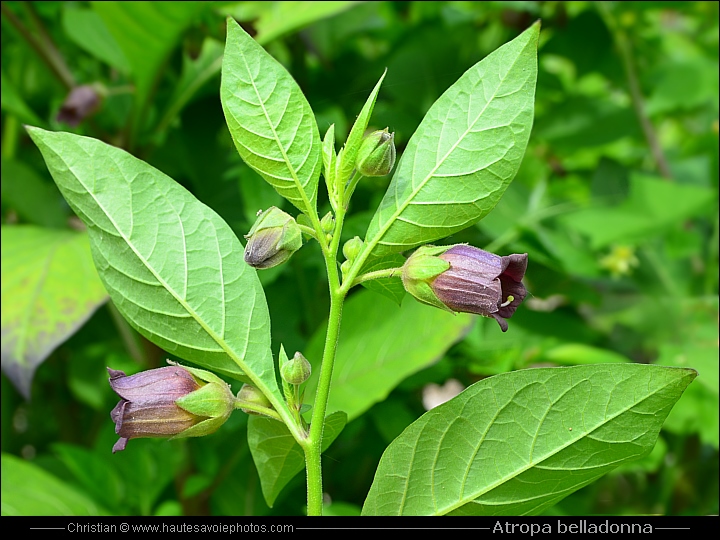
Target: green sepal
420	269
213	400
206	427
201	374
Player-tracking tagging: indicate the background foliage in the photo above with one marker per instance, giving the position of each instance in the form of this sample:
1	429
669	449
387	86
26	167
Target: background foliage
615	203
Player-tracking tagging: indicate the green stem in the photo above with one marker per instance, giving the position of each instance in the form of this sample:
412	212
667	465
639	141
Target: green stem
351	188
377	274
313	447
44	47
624	45
308	230
263	411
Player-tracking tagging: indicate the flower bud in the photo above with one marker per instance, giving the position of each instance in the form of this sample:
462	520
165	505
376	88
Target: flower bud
327	223
376	155
467	279
274	237
352	248
297	370
168	402
249	395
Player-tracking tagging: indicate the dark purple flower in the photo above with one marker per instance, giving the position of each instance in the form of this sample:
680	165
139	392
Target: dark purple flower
481	282
467	279
147	407
80	103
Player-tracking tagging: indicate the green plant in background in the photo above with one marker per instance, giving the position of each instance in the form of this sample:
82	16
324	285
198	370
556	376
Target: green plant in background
516	443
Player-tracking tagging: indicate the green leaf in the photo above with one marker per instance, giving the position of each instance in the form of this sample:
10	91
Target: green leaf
28	490
284	17
379	347
354	140
270	120
49	289
573	354
172	266
464	154
146	32
34	199
278	457
392	287
13	102
91	470
195	73
653	206
88	31
517	443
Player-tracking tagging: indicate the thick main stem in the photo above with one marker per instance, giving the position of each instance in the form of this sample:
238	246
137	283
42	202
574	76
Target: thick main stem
313	448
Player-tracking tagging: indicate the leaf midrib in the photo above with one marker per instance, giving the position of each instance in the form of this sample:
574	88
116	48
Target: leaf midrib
296	179
383	231
466	500
220	341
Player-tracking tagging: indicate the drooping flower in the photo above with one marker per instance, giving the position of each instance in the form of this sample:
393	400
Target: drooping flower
467	279
80	103
168	402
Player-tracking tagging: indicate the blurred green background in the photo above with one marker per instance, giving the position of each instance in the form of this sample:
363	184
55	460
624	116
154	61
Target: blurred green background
616	204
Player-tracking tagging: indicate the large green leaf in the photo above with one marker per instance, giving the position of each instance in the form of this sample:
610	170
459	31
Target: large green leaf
49	289
465	152
270	120
28	490
173	267
278	457
381	344
519	442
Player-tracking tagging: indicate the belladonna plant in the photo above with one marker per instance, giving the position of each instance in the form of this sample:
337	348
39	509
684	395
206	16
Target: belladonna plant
515	443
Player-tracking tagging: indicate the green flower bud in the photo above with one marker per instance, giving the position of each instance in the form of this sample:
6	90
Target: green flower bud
251	396
345	267
376	155
352	248
328	223
297	370
274	237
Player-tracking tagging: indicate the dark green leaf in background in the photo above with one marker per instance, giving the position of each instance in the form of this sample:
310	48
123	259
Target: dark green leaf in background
173	267
28	490
88	30
517	443
35	200
146	33
270	120
381	344
464	153
49	289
